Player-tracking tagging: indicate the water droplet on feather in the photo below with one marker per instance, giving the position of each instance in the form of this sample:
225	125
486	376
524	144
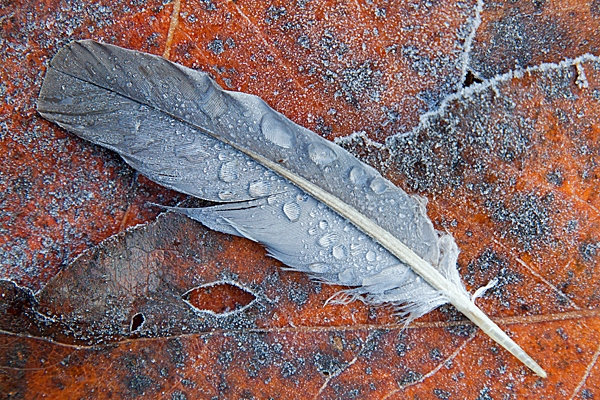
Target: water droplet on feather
259	188
319	268
225	195
292	211
228	171
358	176
371	256
277	132
328	239
339	252
213	103
321	154
378	186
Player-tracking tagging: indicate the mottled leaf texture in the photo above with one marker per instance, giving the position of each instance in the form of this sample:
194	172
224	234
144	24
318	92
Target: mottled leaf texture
525	34
314	206
509	166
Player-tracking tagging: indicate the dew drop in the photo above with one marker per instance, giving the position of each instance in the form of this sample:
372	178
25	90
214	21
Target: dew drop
346	276
371	256
358	176
356	248
328	239
379	185
225	195
271	200
292	211
321	154
259	188
319	268
312	231
302	197
228	171
276	132
339	252
323	224
213	103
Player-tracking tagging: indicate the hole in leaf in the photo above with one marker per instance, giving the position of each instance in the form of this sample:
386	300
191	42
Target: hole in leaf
470	79
137	321
219	297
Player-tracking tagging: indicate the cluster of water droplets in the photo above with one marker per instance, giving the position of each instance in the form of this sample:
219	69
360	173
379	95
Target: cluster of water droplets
327	249
307	235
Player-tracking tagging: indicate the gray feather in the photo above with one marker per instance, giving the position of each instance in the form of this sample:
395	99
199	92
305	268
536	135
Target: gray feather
179	128
156	115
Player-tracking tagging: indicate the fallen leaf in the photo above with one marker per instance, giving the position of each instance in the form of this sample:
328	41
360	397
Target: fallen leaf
326	64
509	166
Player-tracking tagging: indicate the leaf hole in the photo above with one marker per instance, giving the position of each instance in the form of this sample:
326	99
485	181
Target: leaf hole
470	79
219	298
137	322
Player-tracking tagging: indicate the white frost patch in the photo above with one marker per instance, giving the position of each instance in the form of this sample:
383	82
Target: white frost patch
354	137
581	78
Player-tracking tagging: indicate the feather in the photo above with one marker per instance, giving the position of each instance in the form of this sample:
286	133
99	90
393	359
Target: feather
313	205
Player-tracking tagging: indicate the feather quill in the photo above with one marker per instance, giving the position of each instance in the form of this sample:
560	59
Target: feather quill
313	205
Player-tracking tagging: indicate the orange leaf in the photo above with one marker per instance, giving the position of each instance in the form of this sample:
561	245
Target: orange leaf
510	168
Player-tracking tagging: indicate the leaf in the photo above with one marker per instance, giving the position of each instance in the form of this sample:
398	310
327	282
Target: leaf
39	154
85	315
385	63
46	212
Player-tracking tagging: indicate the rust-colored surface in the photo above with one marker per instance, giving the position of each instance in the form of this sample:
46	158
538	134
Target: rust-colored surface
510	168
514	171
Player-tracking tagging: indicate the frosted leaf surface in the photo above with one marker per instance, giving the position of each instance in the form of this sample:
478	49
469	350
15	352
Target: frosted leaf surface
524	34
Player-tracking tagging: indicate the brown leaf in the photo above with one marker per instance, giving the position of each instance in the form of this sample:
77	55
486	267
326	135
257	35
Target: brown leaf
513	167
510	169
